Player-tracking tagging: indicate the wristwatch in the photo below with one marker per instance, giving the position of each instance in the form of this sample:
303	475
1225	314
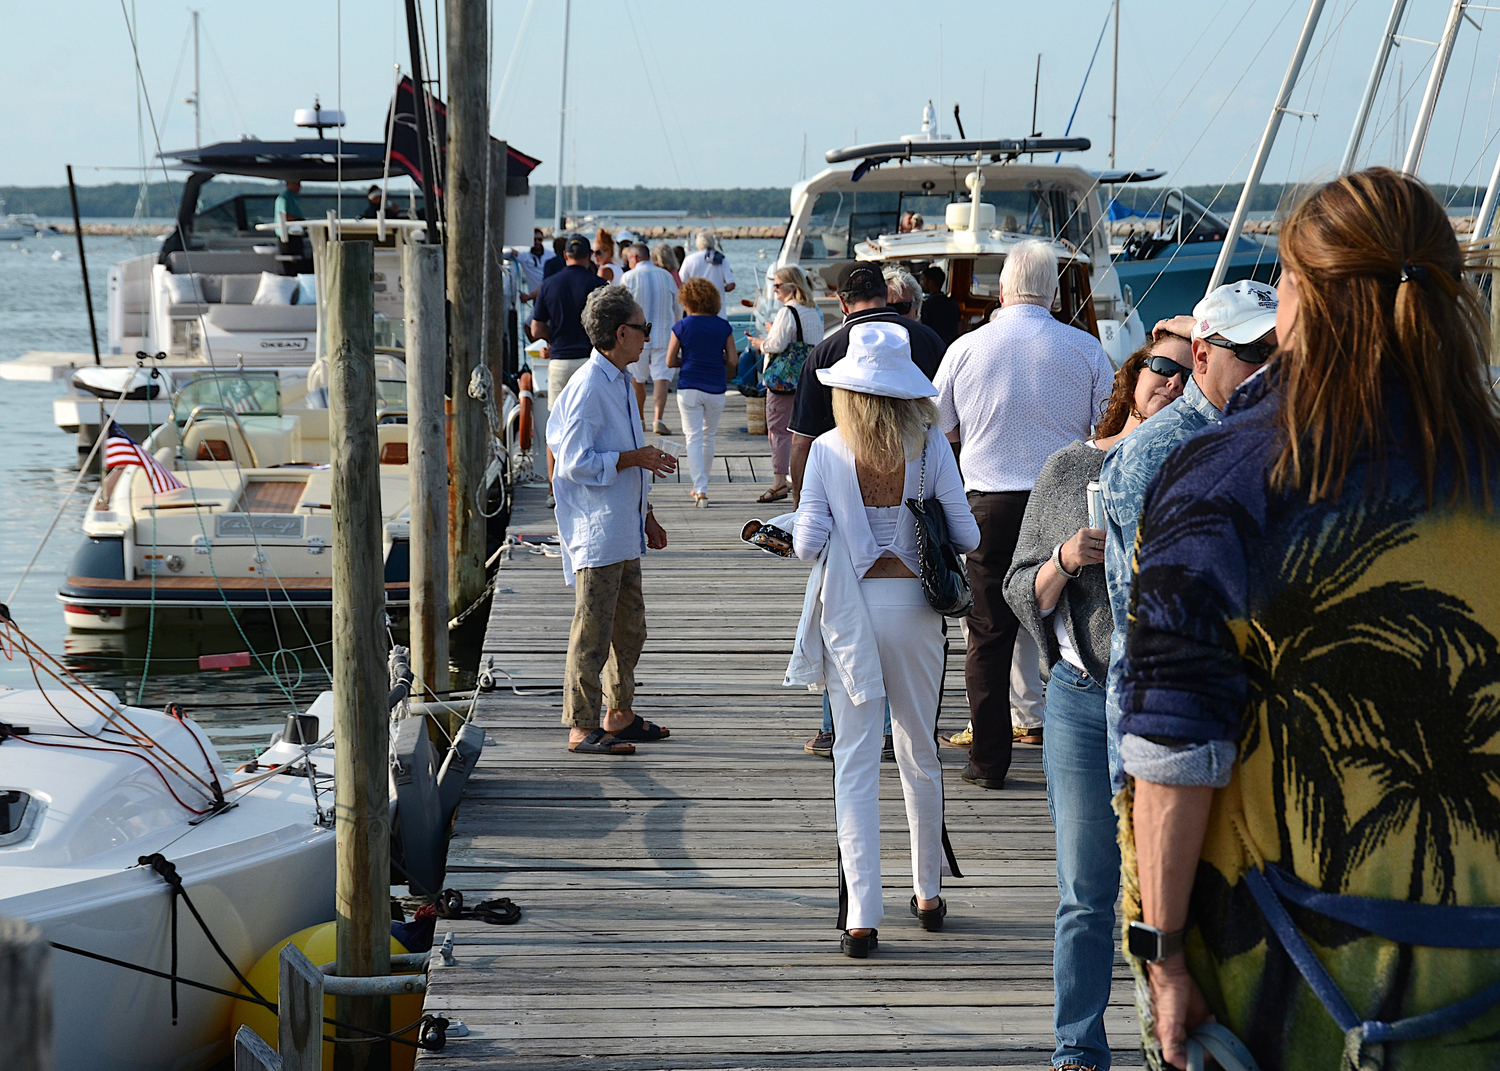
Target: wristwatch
1150	945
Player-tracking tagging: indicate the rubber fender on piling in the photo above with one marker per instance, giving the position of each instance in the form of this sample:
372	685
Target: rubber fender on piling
460	763
319	944
419	836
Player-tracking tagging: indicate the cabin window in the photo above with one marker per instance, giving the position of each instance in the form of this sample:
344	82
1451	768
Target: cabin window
986	280
13	806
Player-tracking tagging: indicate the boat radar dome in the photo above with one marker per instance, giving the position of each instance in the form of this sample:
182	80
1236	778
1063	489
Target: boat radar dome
318	117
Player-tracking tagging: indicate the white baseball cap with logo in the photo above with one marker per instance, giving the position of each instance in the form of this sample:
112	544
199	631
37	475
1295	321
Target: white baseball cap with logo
1240	312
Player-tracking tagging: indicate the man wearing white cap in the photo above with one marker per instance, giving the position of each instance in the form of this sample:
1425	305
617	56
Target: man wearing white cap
1233	333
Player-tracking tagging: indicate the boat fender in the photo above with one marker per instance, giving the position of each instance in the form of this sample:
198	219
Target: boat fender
419	843
459	764
528	397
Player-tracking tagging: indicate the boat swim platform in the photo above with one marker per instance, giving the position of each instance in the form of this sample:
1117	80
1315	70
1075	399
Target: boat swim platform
678	905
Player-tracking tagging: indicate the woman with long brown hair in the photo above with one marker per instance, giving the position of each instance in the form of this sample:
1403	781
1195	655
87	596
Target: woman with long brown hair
1311	696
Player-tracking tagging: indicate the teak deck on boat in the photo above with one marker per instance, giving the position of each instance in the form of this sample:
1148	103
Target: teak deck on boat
679	904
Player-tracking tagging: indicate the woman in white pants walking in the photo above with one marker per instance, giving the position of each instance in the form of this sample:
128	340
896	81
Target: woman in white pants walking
868	633
702	347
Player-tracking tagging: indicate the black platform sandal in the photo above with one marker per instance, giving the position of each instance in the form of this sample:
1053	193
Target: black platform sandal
859	947
931	920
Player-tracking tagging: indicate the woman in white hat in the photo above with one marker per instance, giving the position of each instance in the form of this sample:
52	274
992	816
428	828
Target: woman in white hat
868	633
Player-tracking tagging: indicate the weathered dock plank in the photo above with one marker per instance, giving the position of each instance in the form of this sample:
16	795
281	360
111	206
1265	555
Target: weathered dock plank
679	904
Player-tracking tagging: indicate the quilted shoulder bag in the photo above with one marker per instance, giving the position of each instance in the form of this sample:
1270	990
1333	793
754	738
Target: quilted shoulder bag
945	581
786	367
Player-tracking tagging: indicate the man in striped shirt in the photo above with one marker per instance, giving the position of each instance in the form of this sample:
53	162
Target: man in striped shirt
656	293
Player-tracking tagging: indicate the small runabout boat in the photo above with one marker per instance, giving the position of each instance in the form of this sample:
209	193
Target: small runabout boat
228	504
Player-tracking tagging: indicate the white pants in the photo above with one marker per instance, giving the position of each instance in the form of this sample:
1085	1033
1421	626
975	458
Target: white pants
700	423
909	636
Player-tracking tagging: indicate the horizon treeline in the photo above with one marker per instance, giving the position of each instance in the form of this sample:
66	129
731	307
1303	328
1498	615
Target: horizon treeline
158	201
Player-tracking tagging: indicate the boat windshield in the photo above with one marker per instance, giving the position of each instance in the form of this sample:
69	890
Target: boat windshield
841	219
392	393
247	395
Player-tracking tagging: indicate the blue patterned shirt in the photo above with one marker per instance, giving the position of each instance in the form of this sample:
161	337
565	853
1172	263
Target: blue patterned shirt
1128	468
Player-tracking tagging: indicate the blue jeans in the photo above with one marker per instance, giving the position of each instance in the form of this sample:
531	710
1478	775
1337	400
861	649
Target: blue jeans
1074	757
828	716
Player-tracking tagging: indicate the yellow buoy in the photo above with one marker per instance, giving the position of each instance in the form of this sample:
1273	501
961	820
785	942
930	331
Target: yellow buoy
318	944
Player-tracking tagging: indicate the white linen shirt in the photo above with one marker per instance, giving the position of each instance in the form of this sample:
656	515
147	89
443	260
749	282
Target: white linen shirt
601	512
696	266
532	265
656	293
1018	390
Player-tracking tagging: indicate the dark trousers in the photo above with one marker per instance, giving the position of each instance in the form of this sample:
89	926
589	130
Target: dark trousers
992	628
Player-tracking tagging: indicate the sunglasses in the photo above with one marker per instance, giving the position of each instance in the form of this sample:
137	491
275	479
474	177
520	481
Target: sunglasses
1165	366
1249	352
903	307
644	329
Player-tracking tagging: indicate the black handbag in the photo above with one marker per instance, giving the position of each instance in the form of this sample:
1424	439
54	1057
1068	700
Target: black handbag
945	581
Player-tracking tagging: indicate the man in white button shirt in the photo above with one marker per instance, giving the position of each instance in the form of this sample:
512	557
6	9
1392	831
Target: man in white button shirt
709	263
654	291
533	262
1011	394
604	523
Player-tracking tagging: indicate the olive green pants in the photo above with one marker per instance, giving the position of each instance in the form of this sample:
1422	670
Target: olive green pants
609	630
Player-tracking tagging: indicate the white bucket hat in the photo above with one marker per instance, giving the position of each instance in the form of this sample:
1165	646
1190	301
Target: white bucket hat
878	362
1241	312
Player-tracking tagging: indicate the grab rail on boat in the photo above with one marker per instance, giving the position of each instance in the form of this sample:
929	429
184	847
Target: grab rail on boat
198	410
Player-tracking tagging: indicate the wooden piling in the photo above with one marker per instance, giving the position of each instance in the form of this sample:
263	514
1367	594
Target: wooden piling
496	335
360	684
463	197
251	1053
427	461
25	996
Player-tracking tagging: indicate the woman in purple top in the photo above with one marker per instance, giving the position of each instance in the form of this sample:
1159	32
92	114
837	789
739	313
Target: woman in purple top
702	346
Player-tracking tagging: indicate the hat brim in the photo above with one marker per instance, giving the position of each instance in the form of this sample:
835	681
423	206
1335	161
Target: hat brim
1251	329
908	383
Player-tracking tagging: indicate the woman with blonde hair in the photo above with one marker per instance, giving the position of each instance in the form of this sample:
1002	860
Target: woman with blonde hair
606	265
867	633
798	327
1310	714
663	257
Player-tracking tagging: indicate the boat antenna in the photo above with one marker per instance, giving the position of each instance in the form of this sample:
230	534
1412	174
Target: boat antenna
959	123
1114	92
83	266
1036	90
562	122
197	90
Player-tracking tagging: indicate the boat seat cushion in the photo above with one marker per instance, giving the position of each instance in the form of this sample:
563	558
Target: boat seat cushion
275	289
299	318
222	263
238	289
186	289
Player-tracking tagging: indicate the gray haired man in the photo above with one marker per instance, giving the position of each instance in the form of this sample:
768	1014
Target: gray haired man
601	481
709	263
1011	393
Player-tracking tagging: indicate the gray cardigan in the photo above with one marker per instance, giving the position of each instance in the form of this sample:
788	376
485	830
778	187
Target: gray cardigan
1058	507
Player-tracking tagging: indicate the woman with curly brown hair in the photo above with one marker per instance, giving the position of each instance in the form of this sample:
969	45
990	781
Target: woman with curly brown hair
1311	687
1056	587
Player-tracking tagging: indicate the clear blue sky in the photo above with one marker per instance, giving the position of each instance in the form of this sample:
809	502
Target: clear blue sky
738	85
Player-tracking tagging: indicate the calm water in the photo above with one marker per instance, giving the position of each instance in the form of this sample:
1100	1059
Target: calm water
41	308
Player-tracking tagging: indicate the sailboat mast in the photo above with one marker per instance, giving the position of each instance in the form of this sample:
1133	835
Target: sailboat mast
1036	91
197	91
1114	93
1372	87
562	124
1267	139
1434	84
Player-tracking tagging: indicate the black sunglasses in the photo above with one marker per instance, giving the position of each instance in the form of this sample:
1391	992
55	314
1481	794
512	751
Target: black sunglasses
903	307
644	329
1249	352
1165	366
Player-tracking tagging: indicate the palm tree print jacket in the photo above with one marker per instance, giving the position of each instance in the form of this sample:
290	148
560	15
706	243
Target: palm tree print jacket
1351	651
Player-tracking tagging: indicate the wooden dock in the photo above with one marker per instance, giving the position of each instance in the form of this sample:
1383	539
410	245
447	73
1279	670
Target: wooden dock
679	904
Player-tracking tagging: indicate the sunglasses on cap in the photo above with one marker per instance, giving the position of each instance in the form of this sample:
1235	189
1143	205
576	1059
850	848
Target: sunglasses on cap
1249	352
644	329
1165	366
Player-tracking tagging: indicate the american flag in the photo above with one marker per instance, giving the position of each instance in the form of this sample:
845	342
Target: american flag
121	450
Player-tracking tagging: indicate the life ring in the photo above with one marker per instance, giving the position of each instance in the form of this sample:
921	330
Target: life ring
524	427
